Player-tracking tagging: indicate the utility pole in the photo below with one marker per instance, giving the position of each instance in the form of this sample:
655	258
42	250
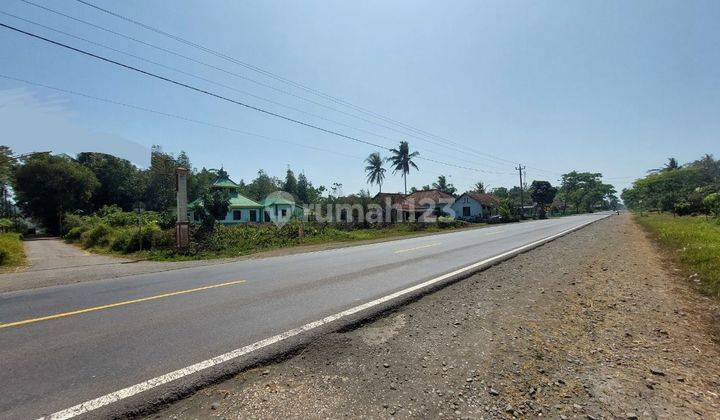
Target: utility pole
520	170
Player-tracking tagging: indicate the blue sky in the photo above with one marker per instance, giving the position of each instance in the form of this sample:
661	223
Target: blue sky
608	86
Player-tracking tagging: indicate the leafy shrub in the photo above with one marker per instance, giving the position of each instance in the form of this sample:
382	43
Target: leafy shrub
130	239
73	220
11	249
712	204
449	222
166	220
75	233
98	235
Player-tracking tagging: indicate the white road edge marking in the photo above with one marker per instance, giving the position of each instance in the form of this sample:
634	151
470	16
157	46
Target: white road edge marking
116	396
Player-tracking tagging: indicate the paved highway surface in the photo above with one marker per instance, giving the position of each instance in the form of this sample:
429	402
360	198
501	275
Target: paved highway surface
64	345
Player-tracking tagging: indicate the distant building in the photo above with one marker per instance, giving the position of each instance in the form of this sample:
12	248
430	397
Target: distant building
241	208
277	207
425	205
473	205
390	203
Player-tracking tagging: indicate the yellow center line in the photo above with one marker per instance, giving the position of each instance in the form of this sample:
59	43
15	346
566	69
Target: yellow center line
114	305
417	247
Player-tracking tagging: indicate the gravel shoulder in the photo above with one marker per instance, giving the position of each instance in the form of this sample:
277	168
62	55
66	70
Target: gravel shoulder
592	325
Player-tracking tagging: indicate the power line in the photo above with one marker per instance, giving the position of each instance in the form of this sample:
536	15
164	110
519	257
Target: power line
280	78
465	149
170	115
185	118
225	86
218	96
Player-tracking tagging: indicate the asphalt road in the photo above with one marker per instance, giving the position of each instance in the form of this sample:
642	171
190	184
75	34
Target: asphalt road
165	321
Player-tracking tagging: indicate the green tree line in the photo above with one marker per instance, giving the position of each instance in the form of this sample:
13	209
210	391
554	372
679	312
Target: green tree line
46	187
692	188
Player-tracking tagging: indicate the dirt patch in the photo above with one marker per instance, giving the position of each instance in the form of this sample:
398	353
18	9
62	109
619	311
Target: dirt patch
592	325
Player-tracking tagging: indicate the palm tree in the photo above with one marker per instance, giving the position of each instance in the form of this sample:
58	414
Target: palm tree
672	164
401	160
375	171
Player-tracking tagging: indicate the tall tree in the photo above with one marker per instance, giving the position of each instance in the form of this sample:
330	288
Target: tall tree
290	185
443	185
213	206
374	170
7	163
121	183
401	160
480	187
184	161
672	164
542	193
47	186
160	187
262	186
500	192
199	182
306	192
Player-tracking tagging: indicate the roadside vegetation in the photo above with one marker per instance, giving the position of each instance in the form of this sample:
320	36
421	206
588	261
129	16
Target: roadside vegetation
12	253
680	206
695	243
107	204
151	236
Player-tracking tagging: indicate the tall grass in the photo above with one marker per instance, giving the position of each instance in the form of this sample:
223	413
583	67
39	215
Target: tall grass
695	241
12	253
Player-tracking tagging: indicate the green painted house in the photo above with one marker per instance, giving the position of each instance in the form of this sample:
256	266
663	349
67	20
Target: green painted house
241	209
276	206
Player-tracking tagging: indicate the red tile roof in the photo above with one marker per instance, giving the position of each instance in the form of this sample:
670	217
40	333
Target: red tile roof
485	199
420	199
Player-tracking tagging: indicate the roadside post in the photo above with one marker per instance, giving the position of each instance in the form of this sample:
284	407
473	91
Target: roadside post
182	226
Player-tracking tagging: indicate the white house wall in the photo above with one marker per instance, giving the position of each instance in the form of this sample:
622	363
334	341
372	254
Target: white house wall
465	201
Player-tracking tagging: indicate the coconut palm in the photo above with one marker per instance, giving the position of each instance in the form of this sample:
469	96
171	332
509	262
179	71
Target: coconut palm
401	160
672	164
375	171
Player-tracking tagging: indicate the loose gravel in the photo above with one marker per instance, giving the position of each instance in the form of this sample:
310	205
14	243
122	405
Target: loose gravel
593	325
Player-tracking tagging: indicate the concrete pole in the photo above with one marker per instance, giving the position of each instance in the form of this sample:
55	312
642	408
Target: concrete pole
182	226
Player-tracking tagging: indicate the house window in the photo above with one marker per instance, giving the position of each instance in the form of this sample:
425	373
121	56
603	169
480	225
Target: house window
237	214
466	211
253	215
283	212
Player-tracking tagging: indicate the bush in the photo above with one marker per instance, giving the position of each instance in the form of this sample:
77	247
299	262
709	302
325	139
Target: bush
75	233
683	208
98	235
130	239
11	249
712	204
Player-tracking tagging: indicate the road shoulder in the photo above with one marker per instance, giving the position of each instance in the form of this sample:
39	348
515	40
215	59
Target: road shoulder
590	324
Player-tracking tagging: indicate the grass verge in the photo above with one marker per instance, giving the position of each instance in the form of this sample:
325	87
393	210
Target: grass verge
694	240
12	253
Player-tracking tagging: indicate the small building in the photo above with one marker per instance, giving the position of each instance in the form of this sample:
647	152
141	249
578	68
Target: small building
473	205
389	203
426	205
278	207
241	208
